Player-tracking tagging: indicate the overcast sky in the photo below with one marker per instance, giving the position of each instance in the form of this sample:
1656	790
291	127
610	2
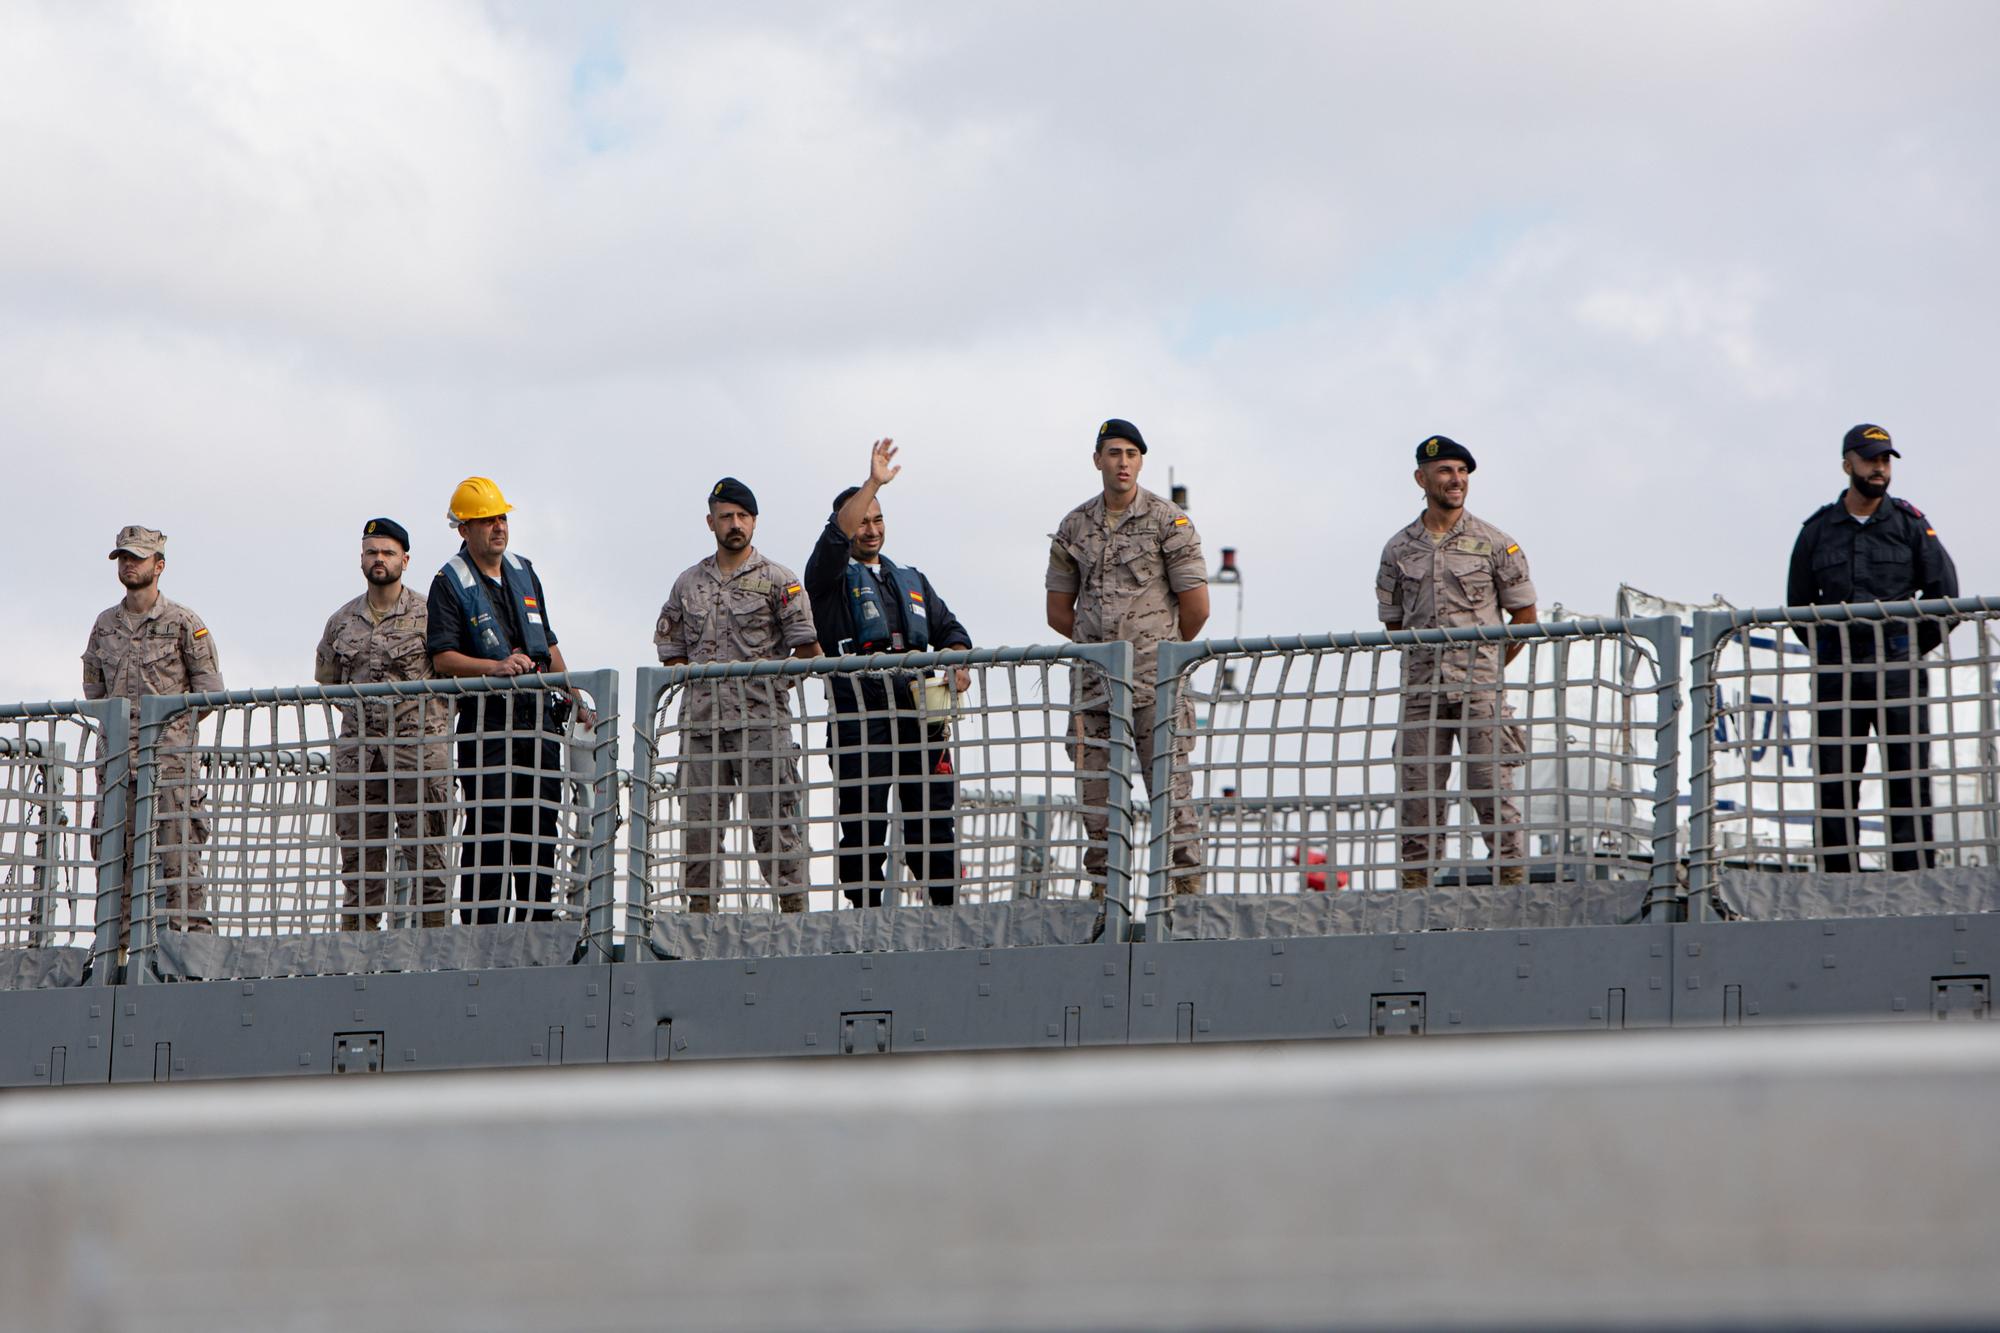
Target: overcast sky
269	270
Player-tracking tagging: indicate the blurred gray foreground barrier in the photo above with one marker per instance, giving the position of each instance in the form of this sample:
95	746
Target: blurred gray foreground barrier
1827	1178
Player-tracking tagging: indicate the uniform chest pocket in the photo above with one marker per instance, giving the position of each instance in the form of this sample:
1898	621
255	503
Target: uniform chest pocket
1473	577
156	649
350	647
404	655
696	613
1887	572
1414	566
1136	559
750	619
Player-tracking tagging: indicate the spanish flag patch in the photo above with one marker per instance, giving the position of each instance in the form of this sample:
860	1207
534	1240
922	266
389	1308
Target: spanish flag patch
1180	522
1510	550
793	590
200	632
528	602
916	596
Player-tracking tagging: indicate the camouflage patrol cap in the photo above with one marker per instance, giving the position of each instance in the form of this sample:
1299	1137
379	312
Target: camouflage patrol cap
142	542
1436	447
1868	440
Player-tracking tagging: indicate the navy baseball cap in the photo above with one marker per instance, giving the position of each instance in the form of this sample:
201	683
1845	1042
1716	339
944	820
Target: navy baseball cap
1868	440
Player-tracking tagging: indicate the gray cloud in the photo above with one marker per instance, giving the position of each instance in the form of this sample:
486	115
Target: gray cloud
268	271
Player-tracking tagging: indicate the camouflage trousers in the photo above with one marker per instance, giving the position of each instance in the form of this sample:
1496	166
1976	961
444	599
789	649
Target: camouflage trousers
372	783
1091	725
1433	724
180	828
761	760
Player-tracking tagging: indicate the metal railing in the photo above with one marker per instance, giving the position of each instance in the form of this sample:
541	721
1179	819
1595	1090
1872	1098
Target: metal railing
1312	755
873	781
1837	739
64	788
263	815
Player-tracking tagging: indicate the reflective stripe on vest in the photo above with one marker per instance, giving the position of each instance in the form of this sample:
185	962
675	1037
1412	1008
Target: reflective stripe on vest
477	607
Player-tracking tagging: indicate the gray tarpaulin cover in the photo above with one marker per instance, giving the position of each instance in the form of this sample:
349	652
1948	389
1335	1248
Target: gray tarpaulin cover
1772	895
1224	916
36	969
190	956
1021	924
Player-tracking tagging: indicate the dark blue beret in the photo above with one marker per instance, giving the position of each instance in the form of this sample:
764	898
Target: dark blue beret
1436	447
387	527
1115	429
733	492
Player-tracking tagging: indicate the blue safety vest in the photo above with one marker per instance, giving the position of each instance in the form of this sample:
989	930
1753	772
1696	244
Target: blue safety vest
480	617
870	621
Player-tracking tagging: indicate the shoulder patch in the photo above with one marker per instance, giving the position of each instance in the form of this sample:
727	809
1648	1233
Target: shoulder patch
1181	522
202	632
1512	549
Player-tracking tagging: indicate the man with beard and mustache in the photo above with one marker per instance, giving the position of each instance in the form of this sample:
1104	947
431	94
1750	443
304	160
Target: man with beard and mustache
1869	547
736	734
890	732
386	758
1446	570
149	645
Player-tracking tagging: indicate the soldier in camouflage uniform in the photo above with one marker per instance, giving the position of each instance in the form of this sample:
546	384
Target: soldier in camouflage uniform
737	606
1449	569
379	636
149	645
1127	564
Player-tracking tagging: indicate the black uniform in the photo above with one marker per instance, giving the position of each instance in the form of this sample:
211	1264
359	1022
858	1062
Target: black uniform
1893	557
508	759
877	737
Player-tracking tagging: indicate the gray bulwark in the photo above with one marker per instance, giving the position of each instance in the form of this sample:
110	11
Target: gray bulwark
1022	923
1532	906
191	956
38	969
1770	895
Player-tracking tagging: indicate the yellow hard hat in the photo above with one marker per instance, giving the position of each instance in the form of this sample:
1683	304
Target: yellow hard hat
477	497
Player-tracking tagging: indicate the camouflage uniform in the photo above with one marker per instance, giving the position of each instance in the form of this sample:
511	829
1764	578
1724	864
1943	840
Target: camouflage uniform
738	733
1452	695
168	650
373	772
1127	573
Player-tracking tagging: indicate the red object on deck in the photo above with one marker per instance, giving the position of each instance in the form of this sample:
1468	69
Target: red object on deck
1316	879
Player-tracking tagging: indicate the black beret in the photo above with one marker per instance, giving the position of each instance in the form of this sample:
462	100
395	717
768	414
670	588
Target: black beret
1868	440
733	492
1116	429
387	527
1435	447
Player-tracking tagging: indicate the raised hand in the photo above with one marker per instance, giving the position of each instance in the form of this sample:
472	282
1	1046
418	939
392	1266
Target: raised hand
882	465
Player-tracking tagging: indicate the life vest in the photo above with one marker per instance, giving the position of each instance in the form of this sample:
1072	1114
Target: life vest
483	621
869	620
